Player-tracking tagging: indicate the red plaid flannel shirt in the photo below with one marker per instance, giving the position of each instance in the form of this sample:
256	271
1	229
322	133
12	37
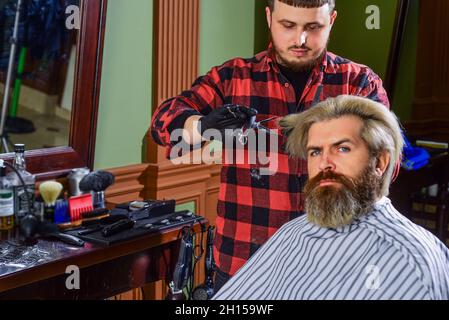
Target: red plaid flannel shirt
252	207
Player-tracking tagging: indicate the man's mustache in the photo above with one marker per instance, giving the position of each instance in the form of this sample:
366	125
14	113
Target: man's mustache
303	47
330	175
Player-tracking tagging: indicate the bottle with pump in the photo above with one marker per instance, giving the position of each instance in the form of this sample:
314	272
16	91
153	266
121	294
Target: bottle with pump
19	193
6	201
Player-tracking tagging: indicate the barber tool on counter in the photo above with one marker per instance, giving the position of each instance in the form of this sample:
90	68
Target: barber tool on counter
182	282
206	290
97	182
62	211
183	267
79	205
139	211
50	230
125	221
50	191
74	179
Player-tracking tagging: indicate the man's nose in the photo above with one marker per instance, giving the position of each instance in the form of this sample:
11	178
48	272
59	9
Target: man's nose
302	38
326	163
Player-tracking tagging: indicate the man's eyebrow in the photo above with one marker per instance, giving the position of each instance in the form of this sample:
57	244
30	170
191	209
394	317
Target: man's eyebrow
307	24
313	148
346	140
287	21
314	25
314	22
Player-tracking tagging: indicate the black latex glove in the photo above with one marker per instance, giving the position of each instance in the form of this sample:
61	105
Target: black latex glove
229	116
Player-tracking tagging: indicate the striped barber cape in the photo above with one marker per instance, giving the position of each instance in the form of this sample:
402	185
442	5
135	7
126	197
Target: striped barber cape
380	256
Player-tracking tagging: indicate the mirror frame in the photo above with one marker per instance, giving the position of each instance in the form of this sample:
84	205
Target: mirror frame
56	162
399	28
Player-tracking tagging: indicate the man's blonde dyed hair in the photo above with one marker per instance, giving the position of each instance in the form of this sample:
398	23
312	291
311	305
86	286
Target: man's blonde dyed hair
381	130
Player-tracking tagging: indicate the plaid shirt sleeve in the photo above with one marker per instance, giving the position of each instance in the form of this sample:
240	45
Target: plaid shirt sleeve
205	95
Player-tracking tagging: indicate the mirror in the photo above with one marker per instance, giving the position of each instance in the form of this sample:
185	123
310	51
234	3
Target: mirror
41	75
78	75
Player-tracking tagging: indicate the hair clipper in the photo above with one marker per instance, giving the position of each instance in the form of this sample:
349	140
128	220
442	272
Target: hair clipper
183	267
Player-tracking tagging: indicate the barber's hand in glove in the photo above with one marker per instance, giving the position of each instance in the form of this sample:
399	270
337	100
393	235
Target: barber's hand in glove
227	117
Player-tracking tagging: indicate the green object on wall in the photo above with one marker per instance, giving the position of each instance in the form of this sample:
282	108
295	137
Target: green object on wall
18	83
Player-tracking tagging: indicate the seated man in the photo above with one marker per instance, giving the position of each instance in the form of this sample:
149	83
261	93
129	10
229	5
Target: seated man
352	243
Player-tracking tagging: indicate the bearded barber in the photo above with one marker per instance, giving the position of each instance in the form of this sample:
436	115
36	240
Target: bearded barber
292	75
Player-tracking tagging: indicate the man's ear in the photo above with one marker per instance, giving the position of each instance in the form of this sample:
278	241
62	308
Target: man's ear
382	162
334	15
268	14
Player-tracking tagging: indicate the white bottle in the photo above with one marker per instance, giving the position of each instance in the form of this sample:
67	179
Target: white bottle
6	201
20	194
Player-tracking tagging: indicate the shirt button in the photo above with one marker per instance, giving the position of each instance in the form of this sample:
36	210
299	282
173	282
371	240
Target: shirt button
287	85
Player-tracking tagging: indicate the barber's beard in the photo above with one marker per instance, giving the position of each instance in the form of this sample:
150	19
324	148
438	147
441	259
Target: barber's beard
300	66
337	206
295	65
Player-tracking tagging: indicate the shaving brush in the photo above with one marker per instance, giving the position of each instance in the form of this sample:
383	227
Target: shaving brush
97	182
50	191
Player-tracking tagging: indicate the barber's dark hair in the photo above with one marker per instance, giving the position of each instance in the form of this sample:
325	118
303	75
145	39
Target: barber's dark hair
304	3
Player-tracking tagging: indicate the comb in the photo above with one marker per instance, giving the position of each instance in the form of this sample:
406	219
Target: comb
79	205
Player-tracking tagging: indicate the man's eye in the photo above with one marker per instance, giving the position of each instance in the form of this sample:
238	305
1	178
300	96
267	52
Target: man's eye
314	27
344	149
314	153
288	26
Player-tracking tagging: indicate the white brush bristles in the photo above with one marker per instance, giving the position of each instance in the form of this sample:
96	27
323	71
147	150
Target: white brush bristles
50	191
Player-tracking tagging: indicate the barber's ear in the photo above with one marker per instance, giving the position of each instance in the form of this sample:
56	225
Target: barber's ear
333	17
268	14
382	162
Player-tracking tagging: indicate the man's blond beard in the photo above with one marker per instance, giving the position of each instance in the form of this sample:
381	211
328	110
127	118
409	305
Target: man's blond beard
331	207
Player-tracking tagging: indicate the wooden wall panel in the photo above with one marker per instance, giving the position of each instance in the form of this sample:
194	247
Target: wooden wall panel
432	77
436	130
176	25
130	184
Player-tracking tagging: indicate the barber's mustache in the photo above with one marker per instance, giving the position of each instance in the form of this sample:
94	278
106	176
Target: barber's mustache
330	175
303	47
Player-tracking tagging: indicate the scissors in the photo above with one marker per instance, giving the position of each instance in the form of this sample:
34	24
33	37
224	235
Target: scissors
243	132
253	124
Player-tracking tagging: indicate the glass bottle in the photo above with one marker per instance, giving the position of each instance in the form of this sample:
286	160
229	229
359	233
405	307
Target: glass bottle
20	194
6	202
